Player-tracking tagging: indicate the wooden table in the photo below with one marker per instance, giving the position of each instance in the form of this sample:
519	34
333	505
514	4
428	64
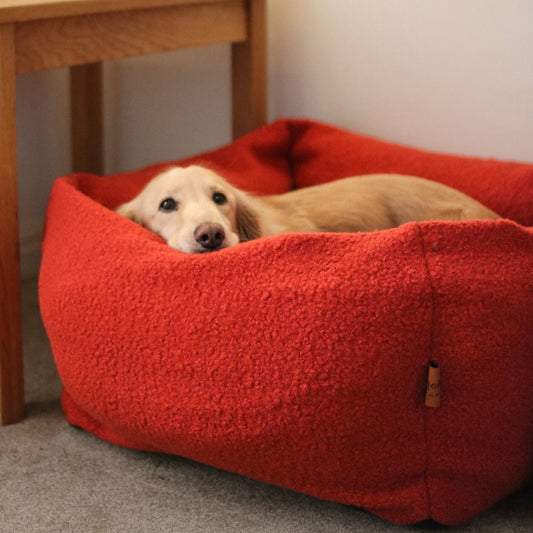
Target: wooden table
38	35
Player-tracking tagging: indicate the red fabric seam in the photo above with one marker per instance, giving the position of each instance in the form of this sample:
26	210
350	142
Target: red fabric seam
430	353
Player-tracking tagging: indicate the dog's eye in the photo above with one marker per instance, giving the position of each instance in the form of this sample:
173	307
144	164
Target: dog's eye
168	204
219	198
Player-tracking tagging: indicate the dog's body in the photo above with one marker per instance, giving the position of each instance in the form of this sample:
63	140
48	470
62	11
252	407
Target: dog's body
195	210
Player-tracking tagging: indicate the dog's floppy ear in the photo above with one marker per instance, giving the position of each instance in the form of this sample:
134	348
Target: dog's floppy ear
247	219
130	210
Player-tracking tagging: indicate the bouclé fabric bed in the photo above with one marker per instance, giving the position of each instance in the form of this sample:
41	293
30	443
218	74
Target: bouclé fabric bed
302	359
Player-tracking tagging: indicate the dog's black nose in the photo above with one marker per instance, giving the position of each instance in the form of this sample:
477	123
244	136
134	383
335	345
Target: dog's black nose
210	236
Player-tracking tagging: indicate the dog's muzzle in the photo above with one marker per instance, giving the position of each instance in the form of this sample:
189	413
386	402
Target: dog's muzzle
209	236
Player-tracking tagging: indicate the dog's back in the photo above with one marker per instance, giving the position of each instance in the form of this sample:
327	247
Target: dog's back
374	202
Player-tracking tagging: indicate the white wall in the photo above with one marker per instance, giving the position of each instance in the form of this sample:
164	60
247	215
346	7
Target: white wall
451	75
447	75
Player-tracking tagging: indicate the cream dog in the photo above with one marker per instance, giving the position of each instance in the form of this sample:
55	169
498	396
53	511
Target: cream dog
195	210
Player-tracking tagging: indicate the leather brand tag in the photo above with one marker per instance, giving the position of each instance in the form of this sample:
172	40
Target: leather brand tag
433	385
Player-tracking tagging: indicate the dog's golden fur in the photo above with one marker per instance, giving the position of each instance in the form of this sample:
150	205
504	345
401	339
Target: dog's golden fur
196	210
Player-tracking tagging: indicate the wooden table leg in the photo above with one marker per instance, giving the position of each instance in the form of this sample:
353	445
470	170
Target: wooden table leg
11	367
249	73
87	118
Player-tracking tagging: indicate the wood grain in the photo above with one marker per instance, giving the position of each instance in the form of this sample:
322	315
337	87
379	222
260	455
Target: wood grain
23	10
249	73
11	374
60	42
86	103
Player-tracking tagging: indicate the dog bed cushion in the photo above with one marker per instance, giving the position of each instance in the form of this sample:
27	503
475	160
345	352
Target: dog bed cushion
302	359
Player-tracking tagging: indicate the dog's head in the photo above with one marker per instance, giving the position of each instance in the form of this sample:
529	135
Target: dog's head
194	210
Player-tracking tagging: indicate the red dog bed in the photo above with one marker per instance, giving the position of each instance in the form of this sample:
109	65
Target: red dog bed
302	359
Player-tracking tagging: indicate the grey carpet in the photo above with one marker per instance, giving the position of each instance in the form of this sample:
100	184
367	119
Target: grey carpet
57	478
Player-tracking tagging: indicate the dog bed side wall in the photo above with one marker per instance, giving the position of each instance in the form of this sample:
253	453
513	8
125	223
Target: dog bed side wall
297	355
320	153
480	436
